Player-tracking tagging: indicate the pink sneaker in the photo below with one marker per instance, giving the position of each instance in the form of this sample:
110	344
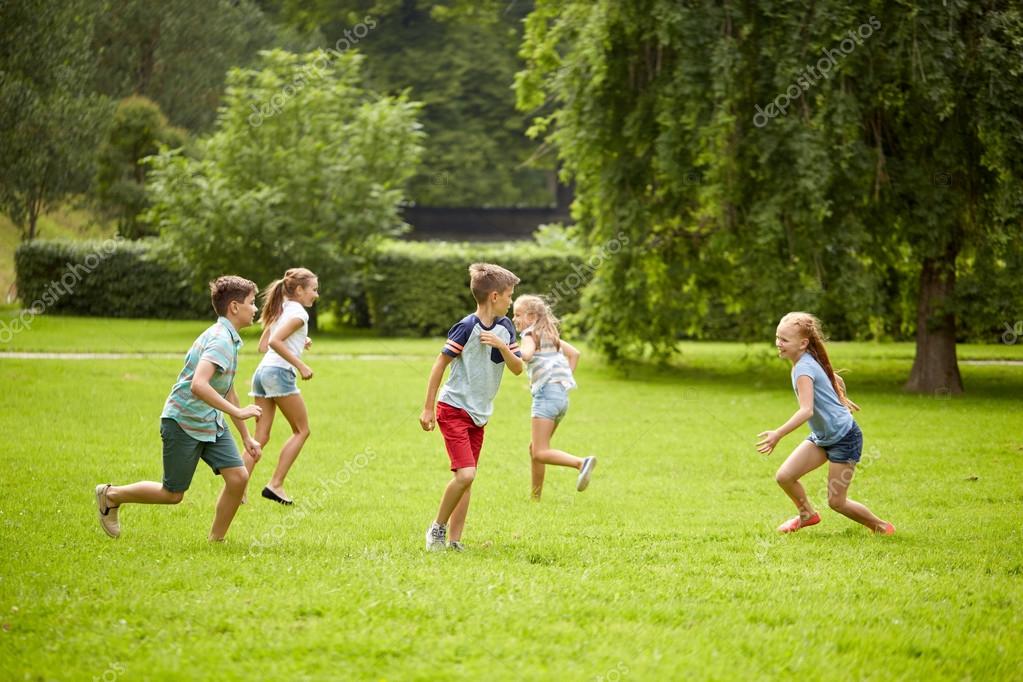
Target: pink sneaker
888	529
795	523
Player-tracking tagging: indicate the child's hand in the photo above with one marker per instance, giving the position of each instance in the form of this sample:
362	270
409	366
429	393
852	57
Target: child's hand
768	440
306	372
492	339
253	449
308	342
427	419
248	412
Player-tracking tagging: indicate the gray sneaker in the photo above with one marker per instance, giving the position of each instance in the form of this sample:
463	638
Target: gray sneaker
107	514
584	473
456	546
436	537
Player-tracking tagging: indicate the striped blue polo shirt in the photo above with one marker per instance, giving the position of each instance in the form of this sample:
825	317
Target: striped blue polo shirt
219	345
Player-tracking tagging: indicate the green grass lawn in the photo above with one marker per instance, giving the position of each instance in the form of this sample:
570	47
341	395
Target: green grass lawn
667	568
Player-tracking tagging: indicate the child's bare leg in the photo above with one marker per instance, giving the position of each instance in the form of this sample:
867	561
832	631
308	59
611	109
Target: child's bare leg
542	451
537	471
804	459
840	475
143	492
235	480
264	422
457	487
294	410
458	517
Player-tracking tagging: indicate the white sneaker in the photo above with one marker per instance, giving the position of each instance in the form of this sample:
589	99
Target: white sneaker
456	546
107	514
436	537
584	473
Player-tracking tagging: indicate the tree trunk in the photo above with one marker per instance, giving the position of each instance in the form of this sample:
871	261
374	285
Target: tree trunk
935	368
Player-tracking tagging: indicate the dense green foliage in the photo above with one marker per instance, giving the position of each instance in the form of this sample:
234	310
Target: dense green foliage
137	130
889	156
177	52
306	167
50	122
112	278
459	59
421	289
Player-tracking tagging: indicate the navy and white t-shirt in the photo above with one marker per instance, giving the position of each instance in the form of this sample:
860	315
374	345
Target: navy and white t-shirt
477	368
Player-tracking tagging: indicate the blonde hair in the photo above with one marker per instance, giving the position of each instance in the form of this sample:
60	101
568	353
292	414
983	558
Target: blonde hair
486	278
546	325
810	328
273	296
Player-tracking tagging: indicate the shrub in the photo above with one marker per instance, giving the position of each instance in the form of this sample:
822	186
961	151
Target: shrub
422	288
112	278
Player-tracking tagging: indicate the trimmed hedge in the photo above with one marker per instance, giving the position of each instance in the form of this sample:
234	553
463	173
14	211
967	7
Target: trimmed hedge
422	288
111	278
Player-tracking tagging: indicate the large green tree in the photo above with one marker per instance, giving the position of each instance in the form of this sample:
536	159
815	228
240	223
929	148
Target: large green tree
177	52
768	157
50	122
459	59
306	167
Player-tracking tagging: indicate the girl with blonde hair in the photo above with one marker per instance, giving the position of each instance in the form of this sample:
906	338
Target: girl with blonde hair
550	363
834	437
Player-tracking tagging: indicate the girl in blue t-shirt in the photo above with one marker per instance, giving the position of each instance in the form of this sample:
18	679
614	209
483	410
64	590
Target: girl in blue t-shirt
834	437
550	362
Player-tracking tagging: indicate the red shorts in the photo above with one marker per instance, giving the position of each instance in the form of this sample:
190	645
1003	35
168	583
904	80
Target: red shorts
462	437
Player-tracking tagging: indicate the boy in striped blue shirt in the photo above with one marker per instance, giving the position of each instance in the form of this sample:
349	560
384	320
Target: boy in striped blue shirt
192	424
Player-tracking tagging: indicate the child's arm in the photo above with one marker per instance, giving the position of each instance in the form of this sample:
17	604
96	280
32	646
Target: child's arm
769	439
527	347
202	390
277	342
513	361
571	353
264	340
428	419
251	445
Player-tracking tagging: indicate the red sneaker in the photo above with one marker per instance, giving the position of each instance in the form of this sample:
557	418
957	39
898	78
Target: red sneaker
888	529
795	523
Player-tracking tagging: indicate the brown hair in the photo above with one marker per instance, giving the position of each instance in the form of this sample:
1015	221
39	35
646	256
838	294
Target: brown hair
228	288
273	296
486	278
546	325
810	328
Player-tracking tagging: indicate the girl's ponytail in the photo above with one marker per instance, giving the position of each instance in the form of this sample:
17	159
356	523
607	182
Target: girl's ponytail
273	302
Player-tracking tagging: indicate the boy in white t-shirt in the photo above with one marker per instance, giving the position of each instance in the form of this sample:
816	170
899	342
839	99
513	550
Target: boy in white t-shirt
285	337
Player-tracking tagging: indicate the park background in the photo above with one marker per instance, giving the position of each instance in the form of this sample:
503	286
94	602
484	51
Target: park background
674	176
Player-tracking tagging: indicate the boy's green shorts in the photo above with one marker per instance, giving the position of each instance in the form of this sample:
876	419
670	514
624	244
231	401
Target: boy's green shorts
181	454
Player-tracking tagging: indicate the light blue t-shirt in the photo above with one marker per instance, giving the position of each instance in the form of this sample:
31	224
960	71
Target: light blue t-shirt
831	419
477	368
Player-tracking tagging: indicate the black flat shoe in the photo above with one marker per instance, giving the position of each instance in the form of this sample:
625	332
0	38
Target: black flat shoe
271	495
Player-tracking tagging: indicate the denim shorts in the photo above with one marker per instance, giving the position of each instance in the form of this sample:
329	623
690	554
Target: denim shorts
273	382
550	401
847	450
